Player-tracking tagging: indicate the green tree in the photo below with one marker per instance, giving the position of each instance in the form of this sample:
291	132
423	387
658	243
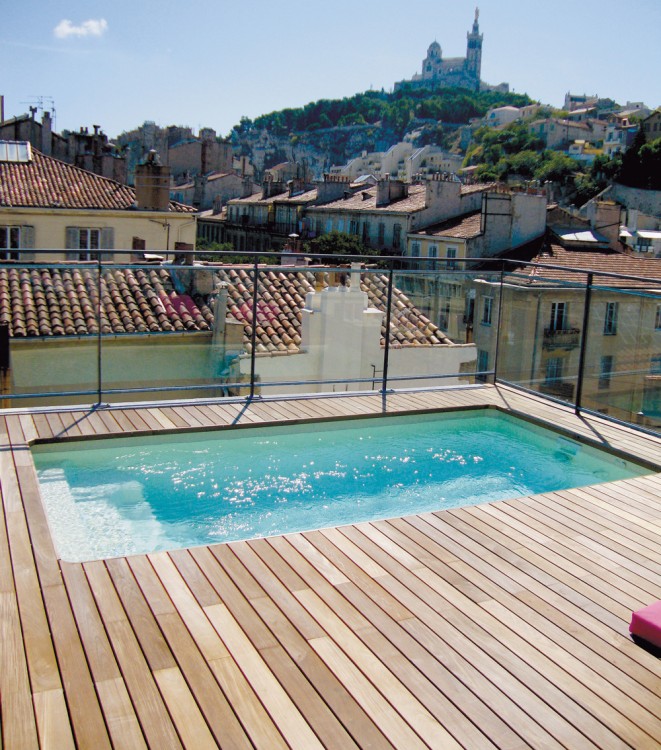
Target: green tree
632	171
337	243
555	166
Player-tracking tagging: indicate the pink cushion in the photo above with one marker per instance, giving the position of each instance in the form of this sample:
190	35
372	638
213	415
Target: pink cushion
646	624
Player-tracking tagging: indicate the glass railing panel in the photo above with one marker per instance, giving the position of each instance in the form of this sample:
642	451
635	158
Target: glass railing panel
172	335
438	336
49	314
318	329
541	322
622	372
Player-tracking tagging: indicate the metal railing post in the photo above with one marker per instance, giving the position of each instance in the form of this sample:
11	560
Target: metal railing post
99	307
386	348
584	339
500	314
253	335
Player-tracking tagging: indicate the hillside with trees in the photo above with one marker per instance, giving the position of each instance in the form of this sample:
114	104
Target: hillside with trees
514	153
395	111
327	132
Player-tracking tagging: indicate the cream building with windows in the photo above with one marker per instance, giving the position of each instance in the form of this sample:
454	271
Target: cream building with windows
46	204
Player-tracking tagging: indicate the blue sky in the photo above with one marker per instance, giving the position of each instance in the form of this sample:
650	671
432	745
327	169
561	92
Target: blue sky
206	64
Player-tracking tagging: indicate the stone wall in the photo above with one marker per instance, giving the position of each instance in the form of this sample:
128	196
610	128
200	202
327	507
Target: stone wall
646	201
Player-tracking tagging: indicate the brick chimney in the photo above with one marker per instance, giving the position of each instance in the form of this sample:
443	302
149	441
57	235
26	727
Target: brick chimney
199	190
152	184
332	188
296	186
271	187
246	187
46	134
388	190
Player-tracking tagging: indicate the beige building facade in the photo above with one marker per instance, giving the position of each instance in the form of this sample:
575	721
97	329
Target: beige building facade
47	205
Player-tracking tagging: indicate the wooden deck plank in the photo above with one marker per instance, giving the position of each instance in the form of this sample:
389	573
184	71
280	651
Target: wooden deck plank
527	588
212	702
385	637
531	690
294	629
17	717
140	680
86	715
329	730
500	625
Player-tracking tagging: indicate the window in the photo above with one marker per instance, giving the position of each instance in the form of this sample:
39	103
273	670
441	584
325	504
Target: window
605	371
559	311
657	321
10	242
415	249
451	254
655	365
83	243
15	151
643	245
366	233
610	319
444	317
382	234
482	364
353	226
397	236
432	251
554	367
487	308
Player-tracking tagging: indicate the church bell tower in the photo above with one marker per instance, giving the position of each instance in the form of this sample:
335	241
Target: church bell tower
474	51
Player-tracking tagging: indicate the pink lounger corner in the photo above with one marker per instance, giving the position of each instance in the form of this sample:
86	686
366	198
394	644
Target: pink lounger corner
646	624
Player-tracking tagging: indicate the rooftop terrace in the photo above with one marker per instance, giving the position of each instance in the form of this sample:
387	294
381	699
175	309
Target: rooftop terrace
500	625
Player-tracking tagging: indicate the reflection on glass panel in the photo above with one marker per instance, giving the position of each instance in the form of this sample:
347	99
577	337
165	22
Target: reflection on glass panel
161	317
52	317
621	351
539	334
446	297
319	330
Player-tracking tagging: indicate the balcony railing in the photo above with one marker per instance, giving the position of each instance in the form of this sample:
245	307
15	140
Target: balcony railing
561	338
101	332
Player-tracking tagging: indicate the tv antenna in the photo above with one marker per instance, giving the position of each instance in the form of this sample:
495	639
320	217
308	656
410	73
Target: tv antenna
42	104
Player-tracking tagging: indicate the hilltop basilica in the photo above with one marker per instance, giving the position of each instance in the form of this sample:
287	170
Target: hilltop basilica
454	72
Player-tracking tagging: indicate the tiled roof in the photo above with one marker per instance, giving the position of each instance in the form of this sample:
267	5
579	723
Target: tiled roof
305	197
65	302
607	261
365	200
45	182
49	302
282	296
461	227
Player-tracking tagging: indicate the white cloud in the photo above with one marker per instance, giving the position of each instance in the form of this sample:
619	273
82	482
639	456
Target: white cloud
91	27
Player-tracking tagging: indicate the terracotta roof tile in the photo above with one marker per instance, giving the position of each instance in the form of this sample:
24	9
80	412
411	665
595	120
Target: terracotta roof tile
462	227
282	295
605	260
70	301
45	182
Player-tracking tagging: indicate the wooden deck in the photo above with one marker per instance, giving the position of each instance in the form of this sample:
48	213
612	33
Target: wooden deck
501	625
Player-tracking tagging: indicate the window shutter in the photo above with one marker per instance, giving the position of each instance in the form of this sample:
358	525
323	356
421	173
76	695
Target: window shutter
27	238
107	238
27	242
72	243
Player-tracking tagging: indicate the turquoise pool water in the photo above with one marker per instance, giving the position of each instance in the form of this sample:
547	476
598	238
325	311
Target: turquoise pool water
122	496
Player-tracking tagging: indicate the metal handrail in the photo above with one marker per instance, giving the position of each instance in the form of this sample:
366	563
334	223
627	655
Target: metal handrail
260	262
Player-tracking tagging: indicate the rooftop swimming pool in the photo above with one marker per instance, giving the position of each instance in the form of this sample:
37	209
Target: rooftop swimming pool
129	495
